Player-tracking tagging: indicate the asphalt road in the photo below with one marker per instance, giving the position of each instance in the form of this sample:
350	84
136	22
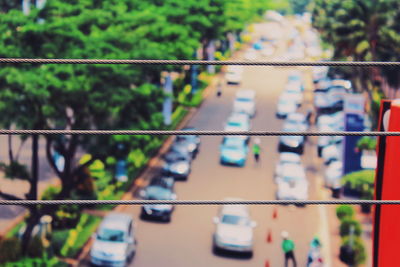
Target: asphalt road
187	239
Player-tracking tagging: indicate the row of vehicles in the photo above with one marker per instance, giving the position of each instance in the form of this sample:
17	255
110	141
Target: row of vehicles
329	96
290	175
234	149
115	240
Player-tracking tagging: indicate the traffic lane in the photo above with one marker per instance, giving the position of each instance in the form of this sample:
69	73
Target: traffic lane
187	240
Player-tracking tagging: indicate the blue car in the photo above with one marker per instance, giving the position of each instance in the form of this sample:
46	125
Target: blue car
233	151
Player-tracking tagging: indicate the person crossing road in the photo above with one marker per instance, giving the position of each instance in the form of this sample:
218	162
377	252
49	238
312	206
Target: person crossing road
256	149
288	248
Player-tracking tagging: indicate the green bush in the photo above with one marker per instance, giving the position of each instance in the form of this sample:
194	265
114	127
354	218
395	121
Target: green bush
345	225
359	248
78	236
58	240
51	192
66	216
344	211
10	249
36	248
360	181
366	143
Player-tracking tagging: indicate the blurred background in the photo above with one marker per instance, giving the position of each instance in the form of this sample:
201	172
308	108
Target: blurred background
230	98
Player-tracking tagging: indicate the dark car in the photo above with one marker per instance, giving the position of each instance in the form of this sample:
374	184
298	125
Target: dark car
164	181
191	142
291	143
177	165
154	211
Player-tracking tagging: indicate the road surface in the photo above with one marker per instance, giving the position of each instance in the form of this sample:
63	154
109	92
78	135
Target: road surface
187	239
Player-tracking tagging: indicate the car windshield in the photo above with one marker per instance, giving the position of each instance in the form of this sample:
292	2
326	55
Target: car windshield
158	193
232	143
236	220
243	99
111	235
234	123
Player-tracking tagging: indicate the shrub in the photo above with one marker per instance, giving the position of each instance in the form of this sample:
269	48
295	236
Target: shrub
344	211
36	248
51	192
359	249
10	249
357	180
58	240
366	143
345	225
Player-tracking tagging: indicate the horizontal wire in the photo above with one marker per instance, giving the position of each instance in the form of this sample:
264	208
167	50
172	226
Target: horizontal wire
197	202
181	132
199	62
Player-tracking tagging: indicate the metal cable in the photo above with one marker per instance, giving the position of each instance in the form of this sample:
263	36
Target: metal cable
197	202
198	62
210	133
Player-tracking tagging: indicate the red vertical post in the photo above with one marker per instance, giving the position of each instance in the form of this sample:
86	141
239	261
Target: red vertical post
387	187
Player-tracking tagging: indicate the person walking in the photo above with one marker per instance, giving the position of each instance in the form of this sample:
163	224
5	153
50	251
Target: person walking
219	89
314	255
288	249
256	149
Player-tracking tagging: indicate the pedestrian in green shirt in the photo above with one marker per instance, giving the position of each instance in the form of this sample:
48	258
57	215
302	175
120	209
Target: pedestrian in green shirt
288	249
256	149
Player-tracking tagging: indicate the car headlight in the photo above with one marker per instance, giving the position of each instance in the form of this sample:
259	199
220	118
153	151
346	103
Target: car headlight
182	168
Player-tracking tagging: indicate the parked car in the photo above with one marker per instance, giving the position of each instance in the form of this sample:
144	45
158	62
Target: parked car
114	242
294	91
333	174
245	102
286	158
176	165
285	106
234	229
292	184
192	142
319	73
332	152
291	143
158	191
296	120
233	151
234	74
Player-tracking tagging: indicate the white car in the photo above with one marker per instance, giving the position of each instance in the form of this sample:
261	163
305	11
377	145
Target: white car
293	90
234	74
238	122
114	243
292	184
284	159
331	153
297	120
234	229
333	174
245	102
285	106
319	72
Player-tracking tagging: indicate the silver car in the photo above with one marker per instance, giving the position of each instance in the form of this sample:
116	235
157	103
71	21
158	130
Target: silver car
114	243
234	230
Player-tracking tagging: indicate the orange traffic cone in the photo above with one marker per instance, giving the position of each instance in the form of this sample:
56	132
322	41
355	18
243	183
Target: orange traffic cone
266	263
275	213
269	236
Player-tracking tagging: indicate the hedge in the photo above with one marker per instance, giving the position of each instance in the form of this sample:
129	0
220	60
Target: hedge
344	211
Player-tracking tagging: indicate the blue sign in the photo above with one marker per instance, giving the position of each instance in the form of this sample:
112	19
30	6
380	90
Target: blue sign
351	155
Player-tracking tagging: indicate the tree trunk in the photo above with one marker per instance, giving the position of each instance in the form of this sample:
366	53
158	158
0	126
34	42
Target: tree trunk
33	194
10	150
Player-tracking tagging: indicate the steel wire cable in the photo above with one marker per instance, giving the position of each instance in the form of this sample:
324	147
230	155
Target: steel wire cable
211	133
204	133
197	202
198	62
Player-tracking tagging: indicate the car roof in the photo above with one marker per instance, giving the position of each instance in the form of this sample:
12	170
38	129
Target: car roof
116	220
240	210
289	156
292	170
246	93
